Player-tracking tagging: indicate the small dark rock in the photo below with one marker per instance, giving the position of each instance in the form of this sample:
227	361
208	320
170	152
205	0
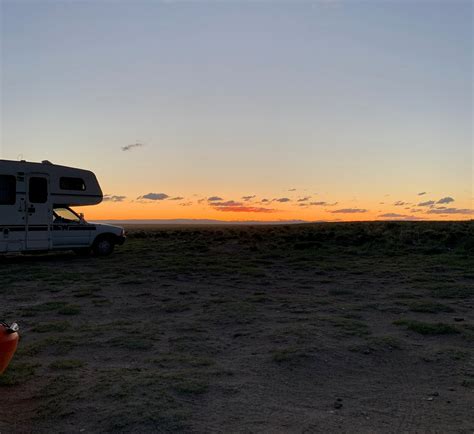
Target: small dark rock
458	319
337	405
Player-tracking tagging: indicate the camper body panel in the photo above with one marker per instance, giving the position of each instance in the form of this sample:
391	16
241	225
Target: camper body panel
74	187
68	185
12	210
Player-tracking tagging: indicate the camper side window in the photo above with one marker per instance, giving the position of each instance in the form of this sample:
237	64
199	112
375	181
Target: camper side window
7	190
38	192
75	184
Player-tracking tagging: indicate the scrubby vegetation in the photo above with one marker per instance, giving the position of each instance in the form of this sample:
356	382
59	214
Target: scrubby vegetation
259	328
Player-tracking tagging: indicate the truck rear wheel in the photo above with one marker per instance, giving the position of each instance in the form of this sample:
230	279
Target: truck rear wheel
103	246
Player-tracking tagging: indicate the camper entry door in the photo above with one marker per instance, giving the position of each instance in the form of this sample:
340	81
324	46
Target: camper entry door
38	212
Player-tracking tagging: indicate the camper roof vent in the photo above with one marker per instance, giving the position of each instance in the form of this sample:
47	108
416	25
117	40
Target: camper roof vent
46	162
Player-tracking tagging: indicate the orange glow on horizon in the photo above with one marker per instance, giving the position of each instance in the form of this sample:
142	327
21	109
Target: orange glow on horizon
283	212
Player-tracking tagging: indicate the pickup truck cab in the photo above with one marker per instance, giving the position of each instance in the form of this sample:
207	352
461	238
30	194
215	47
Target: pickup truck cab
71	231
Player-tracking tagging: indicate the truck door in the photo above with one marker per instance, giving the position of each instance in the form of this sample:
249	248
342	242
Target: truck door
38	213
69	231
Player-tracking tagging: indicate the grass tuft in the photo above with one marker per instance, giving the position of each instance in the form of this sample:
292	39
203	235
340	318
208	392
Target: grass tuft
425	328
429	307
54	326
67	364
288	355
70	309
191	386
18	373
131	343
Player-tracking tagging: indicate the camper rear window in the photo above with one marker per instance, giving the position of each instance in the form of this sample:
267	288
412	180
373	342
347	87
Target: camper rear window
75	184
7	190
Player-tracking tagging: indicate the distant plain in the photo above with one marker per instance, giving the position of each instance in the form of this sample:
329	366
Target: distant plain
329	327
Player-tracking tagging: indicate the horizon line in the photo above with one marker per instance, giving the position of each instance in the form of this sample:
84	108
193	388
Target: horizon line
251	222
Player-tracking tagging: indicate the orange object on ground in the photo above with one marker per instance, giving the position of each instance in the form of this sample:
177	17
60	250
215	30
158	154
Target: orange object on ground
8	343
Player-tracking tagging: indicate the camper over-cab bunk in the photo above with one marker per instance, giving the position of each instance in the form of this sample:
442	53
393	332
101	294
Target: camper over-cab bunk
36	214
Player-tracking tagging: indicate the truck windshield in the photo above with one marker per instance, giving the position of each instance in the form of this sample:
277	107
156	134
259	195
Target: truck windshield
65	215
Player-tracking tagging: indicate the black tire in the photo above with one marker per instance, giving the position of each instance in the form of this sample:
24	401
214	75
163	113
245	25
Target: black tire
103	246
84	251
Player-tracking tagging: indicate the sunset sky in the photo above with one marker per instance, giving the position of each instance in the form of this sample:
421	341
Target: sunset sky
247	110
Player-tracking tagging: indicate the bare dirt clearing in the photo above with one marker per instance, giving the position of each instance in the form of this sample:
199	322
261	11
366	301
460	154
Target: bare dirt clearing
364	327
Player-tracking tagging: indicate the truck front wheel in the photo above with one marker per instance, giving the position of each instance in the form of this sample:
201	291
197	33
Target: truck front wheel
103	246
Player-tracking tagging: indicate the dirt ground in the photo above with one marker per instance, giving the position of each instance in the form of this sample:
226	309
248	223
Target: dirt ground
364	327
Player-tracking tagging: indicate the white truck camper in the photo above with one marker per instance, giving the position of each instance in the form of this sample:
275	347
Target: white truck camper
35	213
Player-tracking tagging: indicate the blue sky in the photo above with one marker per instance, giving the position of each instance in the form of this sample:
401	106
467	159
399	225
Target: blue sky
350	100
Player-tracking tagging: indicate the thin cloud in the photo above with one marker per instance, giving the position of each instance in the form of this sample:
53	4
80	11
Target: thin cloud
264	201
400	203
214	199
304	199
392	215
292	189
443	210
186	204
132	146
154	196
427	203
113	198
226	204
247	198
242	208
447	199
322	203
176	198
399	216
233	206
348	211
421	193
282	199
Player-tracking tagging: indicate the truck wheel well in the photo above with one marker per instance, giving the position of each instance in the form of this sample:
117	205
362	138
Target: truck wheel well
107	236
